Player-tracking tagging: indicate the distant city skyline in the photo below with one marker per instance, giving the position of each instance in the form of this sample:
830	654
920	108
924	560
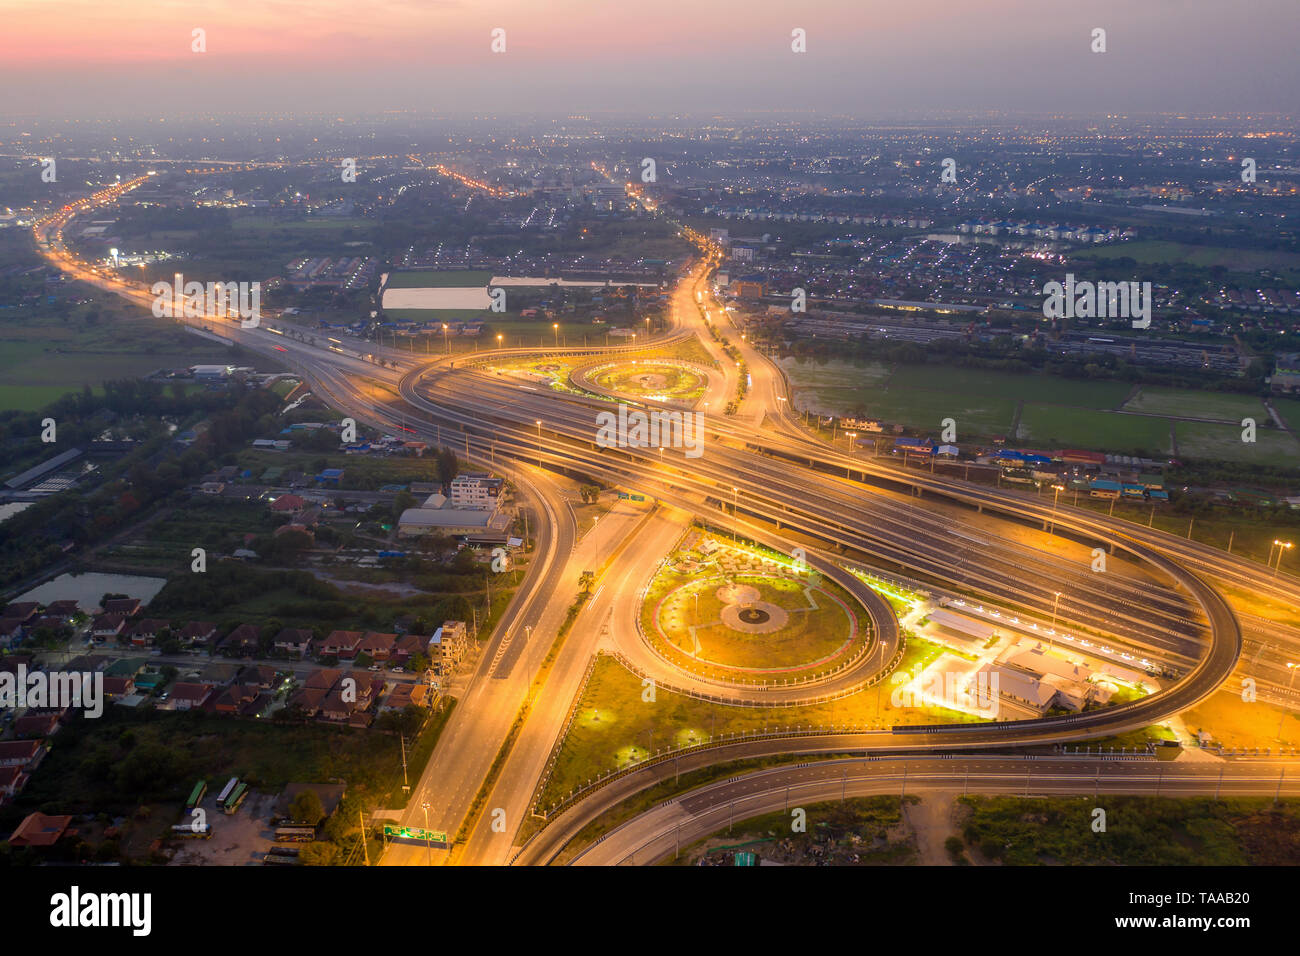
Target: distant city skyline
82	58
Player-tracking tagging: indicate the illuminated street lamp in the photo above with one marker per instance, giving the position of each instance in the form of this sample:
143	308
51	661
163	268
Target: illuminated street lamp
446	344
853	436
539	442
1055	603
1055	497
556	327
499	339
1281	546
735	515
1290	683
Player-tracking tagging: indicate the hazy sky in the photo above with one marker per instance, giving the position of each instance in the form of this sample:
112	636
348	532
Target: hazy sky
867	57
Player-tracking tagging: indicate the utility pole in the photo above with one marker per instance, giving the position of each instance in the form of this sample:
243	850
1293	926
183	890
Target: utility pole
406	784
365	848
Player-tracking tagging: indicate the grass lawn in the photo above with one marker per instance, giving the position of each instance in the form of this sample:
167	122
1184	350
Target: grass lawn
814	631
649	379
1019	387
1189	403
613	728
974	414
1223	443
1289	409
1086	428
818	375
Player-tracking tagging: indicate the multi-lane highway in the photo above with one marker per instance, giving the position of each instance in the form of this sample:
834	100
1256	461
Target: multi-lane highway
763	474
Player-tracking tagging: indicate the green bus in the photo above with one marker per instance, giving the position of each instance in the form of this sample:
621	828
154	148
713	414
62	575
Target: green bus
196	794
235	799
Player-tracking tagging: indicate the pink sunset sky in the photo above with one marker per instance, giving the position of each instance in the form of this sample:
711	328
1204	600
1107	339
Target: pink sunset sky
863	56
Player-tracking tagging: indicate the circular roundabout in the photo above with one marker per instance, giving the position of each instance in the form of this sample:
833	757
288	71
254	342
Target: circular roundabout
733	622
660	380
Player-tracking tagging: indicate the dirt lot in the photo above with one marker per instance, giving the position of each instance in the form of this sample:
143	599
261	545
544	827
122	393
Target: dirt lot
241	839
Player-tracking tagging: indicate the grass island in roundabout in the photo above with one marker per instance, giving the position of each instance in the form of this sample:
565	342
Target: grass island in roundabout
744	615
656	379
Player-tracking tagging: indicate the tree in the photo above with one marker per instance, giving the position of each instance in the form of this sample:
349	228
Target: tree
448	466
307	808
319	853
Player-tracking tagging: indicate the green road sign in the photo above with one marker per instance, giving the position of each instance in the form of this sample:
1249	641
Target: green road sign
638	497
622	496
393	832
745	859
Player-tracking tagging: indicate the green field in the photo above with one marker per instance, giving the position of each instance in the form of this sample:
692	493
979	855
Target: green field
974	414
981	402
439	278
833	375
1236	260
1289	409
1084	428
38	365
1223	442
1189	403
1139	831
1021	387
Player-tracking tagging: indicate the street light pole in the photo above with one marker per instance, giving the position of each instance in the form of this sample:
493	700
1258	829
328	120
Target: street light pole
428	847
1281	546
1291	683
1055	604
735	516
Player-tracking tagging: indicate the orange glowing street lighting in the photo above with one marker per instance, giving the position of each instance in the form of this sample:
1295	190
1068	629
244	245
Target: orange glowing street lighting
1281	546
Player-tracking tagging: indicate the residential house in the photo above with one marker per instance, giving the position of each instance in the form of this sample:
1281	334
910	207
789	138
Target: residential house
115	687
242	641
21	612
12	781
237	699
36	726
198	632
11	632
64	609
261	676
146	631
323	679
186	695
37	829
377	646
24	754
107	626
127	607
288	504
404	695
340	644
293	640
308	700
409	645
